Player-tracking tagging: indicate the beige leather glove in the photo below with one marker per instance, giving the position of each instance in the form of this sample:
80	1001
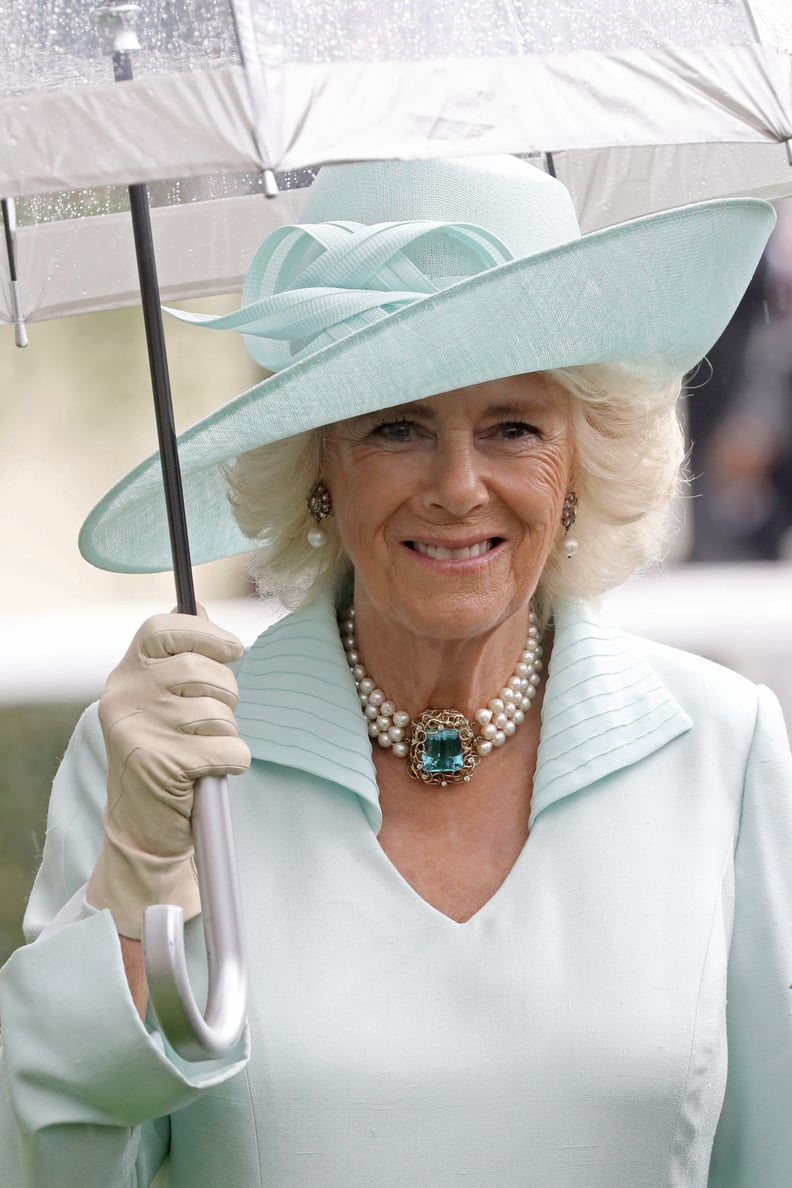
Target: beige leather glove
167	717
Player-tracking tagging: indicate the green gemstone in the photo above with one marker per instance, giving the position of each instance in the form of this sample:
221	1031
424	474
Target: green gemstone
442	751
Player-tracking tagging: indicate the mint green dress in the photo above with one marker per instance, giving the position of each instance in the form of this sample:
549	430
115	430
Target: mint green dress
618	1015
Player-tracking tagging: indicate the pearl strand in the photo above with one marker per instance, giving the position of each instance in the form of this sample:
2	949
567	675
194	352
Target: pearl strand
496	721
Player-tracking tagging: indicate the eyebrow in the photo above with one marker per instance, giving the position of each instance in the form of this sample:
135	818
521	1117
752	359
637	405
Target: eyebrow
501	409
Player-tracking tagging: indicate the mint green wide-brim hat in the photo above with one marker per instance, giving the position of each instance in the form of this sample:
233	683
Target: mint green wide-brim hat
410	278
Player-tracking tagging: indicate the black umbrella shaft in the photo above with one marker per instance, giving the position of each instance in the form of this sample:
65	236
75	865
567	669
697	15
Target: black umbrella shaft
163	406
160	379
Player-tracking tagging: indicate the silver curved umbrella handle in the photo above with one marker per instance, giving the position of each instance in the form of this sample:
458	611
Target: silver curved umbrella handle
193	1034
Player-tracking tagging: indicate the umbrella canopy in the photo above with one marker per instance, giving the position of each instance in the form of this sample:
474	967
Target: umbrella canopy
635	104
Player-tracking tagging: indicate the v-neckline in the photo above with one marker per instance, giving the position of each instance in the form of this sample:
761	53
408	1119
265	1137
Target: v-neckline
490	904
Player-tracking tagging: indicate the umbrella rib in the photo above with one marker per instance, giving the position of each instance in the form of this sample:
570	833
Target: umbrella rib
18	316
9	238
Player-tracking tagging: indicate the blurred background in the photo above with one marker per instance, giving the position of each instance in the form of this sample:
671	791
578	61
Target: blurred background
76	413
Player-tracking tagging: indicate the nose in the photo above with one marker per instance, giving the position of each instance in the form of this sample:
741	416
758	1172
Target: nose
456	482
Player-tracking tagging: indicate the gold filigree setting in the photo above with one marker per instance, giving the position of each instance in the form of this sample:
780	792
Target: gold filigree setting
436	756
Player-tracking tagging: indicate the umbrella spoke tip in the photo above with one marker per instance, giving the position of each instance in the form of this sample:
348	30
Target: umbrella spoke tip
117	27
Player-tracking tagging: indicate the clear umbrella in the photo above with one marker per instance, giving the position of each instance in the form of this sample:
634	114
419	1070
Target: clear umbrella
640	105
635	104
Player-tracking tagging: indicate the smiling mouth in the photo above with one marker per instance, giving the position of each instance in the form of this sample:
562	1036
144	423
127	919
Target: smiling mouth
441	553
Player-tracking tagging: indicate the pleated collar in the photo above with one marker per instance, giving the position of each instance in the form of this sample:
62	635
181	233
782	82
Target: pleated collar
298	705
605	707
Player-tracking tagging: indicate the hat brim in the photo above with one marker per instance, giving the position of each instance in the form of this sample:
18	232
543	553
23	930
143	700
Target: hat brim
653	294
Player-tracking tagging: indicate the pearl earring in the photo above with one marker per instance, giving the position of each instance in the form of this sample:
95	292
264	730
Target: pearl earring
320	507
568	517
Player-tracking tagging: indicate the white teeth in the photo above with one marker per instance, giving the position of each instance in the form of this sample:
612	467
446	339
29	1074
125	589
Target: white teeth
439	553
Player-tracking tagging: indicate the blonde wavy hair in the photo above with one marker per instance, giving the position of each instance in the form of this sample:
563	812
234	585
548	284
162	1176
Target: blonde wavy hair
629	453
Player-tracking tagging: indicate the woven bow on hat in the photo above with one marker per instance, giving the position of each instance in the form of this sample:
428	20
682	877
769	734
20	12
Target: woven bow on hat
315	284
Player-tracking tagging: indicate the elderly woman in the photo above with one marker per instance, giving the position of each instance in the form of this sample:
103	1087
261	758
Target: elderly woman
517	886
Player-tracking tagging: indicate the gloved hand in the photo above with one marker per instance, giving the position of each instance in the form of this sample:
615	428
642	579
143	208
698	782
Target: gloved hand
167	717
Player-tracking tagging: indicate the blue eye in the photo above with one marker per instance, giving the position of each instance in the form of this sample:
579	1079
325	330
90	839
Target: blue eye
514	430
395	430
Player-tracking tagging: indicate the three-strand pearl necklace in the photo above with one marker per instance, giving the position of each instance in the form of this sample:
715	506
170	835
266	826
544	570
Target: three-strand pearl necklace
443	746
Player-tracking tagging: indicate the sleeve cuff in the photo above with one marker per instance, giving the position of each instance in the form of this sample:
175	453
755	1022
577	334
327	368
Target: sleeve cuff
76	1049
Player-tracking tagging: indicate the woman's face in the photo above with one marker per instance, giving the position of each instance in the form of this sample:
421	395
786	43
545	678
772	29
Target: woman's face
448	507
